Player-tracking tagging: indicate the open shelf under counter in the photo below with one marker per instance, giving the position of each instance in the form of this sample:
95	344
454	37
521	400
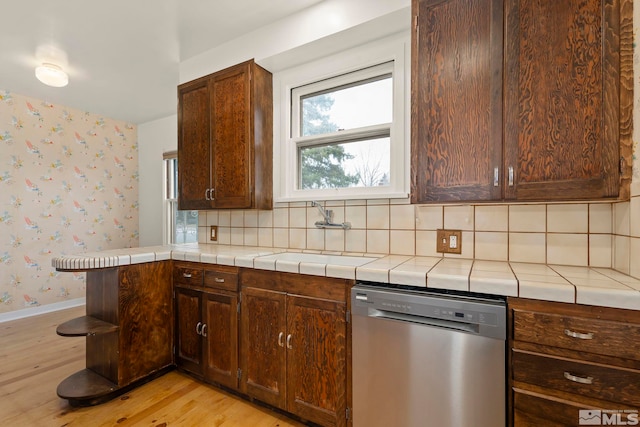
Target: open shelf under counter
85	326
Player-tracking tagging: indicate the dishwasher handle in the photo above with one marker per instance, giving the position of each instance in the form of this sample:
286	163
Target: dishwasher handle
426	321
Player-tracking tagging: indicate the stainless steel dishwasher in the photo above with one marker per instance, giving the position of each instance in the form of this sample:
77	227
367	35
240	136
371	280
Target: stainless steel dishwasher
427	359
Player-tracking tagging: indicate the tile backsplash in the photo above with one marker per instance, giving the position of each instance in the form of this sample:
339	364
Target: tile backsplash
598	234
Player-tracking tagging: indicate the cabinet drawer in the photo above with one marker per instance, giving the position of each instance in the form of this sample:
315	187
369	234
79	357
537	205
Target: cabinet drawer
184	275
220	279
534	410
604	337
580	378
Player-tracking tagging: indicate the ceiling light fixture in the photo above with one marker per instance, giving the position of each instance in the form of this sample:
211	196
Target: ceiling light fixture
52	75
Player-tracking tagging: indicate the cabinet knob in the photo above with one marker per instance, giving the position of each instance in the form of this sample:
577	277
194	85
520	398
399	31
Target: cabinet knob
199	328
289	342
581	336
280	335
577	379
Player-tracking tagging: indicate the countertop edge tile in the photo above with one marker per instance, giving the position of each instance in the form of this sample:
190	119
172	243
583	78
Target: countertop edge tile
593	285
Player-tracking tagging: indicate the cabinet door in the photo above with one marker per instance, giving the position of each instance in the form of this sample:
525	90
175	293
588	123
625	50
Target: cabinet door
316	360
562	98
194	148
262	345
456	136
189	324
232	138
220	337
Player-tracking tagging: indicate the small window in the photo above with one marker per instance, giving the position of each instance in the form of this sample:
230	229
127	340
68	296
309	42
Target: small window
181	226
344	131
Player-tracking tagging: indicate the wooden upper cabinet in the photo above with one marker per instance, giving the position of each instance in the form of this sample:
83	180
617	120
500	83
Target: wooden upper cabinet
456	99
194	145
562	103
225	134
543	113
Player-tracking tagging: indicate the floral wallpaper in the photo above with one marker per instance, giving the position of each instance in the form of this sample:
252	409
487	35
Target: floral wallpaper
68	184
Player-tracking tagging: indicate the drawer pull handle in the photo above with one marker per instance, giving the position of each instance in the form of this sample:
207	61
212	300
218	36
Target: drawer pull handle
280	335
570	333
576	379
186	275
219	280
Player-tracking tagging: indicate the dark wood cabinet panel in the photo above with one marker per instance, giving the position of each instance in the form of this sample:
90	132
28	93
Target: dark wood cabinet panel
136	300
232	135
294	343
316	361
567	357
146	313
456	99
562	98
189	324
194	147
263	353
225	133
589	335
578	377
221	337
207	321
543	113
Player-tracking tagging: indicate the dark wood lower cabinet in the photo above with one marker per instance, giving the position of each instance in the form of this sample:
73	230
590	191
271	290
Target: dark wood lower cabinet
568	358
294	345
316	359
220	334
262	343
207	325
129	334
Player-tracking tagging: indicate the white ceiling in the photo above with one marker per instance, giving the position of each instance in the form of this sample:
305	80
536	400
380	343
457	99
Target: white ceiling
123	55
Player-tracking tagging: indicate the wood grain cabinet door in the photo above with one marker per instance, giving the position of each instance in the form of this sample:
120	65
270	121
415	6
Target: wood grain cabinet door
232	139
189	324
456	98
194	148
562	104
316	360
262	345
220	337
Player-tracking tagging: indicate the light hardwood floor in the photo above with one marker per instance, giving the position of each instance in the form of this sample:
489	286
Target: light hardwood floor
34	359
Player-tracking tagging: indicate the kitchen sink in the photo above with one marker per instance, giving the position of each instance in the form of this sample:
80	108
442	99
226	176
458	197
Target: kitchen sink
352	261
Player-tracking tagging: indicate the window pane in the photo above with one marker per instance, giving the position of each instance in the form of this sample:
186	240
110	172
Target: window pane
350	164
365	103
186	226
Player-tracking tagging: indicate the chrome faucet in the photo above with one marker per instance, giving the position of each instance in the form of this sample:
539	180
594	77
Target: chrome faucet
327	214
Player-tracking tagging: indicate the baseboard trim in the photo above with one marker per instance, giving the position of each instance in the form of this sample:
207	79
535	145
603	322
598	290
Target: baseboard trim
42	309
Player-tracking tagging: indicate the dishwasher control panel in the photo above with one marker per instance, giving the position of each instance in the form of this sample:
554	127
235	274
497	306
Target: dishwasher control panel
479	314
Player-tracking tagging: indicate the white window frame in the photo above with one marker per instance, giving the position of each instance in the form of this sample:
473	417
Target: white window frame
169	202
394	50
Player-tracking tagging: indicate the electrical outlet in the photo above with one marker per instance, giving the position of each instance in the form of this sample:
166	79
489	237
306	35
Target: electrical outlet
214	233
449	241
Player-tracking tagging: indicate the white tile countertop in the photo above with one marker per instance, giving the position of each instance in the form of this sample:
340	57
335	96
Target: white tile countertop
583	285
